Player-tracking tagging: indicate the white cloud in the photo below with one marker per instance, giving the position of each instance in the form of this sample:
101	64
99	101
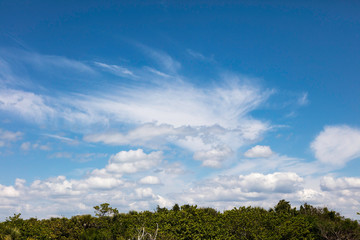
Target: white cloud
115	69
143	135
8	136
158	73
226	106
164	202
56	186
8	191
62	138
47	62
150	180
337	145
60	195
99	185
163	59
26	104
62	155
107	178
308	195
25	146
144	193
161	112
230	190
303	99
213	157
204	141
133	161
346	183
7	77
199	56
99	182
282	182
341	194
259	152
28	145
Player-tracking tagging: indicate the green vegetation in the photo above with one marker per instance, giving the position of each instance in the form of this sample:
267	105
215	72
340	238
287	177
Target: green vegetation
189	222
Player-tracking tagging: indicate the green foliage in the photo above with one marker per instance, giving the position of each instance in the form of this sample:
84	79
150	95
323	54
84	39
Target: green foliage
104	210
189	222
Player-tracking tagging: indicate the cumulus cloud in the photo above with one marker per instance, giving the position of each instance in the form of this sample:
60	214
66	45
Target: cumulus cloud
150	180
341	194
283	182
99	185
337	145
259	152
254	186
133	161
8	191
345	183
109	177
213	157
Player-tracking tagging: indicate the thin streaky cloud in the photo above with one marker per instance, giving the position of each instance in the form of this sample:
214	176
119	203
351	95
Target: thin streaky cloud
60	137
161	74
115	69
303	99
46	62
200	56
164	60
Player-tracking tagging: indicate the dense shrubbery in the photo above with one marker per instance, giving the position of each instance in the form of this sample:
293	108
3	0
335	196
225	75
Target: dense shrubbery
189	222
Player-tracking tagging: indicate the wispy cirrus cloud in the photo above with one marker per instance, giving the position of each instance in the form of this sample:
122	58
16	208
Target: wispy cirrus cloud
164	61
177	104
116	69
28	105
199	56
45	62
177	112
303	99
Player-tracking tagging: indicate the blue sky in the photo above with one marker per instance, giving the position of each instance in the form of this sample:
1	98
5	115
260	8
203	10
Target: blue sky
145	104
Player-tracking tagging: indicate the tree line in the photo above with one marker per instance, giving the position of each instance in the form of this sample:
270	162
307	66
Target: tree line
188	222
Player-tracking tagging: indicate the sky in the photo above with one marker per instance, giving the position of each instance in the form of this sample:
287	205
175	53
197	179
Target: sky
140	104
